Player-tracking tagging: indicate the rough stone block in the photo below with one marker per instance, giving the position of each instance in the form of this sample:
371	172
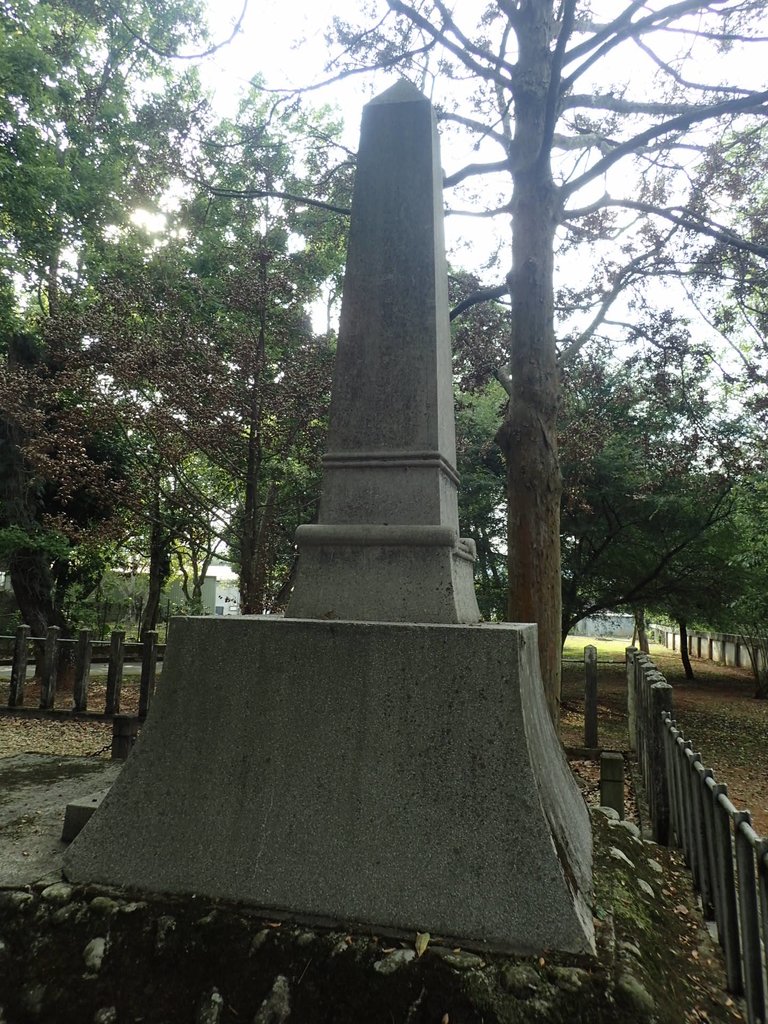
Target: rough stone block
612	781
396	776
79	813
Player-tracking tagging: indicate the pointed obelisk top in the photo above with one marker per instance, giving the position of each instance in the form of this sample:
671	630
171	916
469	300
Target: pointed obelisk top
401	92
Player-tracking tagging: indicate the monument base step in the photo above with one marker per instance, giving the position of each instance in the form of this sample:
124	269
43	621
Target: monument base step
397	776
79	812
384	574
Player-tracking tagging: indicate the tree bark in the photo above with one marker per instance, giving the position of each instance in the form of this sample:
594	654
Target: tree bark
642	636
528	436
684	649
159	563
251	600
29	568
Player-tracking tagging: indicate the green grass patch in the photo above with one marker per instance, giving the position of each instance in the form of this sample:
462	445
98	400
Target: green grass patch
608	649
574	647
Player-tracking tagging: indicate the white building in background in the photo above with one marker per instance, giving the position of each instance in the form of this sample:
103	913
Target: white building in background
221	594
610	624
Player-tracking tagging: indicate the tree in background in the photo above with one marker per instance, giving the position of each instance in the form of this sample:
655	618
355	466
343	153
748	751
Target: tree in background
92	125
482	512
162	386
745	611
650	460
583	165
207	343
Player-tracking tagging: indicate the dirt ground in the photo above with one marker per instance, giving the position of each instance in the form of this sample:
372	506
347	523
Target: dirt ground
79	738
716	711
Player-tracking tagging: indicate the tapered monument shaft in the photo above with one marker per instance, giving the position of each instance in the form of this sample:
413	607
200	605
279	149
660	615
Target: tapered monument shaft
387	545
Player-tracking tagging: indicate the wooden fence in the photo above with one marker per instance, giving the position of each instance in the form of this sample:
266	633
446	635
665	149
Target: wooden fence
148	651
727	858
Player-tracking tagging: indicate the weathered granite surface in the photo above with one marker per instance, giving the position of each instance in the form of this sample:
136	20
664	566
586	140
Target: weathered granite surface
405	777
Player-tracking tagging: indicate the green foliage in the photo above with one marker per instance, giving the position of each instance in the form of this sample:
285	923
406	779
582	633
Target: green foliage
482	499
649	461
92	123
45	542
746	613
207	340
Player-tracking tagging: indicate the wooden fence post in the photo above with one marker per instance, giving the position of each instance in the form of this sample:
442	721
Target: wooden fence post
50	668
612	781
82	669
125	729
148	664
704	800
744	837
728	923
630	654
641	661
115	671
590	696
19	668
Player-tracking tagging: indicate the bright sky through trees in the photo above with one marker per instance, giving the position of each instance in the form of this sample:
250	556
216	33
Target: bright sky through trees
284	42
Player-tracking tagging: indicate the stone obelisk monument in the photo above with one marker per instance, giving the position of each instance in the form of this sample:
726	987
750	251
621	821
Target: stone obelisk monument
377	758
387	543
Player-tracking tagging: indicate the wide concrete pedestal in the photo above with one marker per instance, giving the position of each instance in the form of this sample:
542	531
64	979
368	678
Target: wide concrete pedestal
398	776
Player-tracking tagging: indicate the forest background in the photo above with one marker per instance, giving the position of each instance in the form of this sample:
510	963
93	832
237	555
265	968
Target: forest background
170	279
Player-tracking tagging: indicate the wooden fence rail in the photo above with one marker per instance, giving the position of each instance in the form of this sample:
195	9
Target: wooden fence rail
147	650
727	858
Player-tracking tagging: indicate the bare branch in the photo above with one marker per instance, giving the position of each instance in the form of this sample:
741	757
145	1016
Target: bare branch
708	320
473	126
143	41
268	193
716	37
485	72
478	213
513	15
605	32
681	217
362	69
627	272
450	25
553	91
619	105
481	295
620	29
585	141
503	376
754	103
473	169
677	77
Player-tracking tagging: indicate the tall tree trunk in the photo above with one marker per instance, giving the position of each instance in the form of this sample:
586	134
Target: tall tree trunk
33	588
250	600
159	564
684	649
528	436
251	592
642	635
29	568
